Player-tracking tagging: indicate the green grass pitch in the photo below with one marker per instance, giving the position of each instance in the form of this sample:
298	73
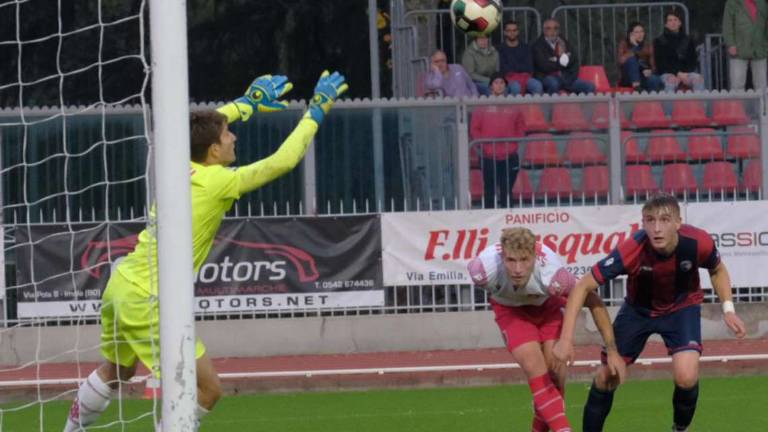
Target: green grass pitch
725	404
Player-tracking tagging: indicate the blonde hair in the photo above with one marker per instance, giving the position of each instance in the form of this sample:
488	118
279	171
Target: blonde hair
518	240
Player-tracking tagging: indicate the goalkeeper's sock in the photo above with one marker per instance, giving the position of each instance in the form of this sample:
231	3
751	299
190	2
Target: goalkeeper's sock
200	412
92	399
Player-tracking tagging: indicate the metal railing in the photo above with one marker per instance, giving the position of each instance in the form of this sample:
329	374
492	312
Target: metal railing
418	33
426	166
595	30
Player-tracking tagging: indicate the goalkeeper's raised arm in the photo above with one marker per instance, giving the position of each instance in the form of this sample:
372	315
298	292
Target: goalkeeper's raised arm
263	96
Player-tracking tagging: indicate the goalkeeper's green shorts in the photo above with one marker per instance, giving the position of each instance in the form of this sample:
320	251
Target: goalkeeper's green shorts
130	325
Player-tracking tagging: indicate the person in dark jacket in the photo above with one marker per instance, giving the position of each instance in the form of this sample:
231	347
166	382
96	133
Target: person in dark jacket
516	62
675	54
555	64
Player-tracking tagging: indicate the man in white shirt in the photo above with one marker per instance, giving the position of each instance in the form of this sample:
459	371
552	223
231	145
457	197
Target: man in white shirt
528	287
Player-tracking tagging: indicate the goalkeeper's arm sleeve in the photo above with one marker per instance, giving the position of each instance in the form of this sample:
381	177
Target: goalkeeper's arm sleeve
289	155
236	111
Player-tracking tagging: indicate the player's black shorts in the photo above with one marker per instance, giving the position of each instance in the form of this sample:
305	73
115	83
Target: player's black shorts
681	331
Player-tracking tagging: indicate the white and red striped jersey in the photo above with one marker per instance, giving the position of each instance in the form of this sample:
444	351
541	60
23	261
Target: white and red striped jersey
549	277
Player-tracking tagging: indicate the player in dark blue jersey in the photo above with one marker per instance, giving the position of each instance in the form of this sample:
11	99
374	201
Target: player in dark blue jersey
664	296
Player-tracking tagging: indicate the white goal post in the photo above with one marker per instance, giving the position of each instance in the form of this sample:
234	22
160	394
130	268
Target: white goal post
170	114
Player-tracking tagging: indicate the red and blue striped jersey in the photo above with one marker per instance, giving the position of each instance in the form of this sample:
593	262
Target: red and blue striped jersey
660	284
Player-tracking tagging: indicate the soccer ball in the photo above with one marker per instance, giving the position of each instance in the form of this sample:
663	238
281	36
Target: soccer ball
476	17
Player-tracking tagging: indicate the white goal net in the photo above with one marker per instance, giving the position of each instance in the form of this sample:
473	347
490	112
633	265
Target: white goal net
74	163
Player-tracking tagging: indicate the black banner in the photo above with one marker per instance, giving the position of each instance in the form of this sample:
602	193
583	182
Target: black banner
255	264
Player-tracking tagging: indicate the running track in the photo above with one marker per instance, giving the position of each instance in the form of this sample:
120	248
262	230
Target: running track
387	369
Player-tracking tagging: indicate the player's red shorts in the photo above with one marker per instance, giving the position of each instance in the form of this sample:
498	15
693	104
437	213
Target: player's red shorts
521	324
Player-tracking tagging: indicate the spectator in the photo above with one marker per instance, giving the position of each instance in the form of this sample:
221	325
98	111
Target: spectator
481	60
636	61
744	32
450	79
554	63
516	62
500	161
675	55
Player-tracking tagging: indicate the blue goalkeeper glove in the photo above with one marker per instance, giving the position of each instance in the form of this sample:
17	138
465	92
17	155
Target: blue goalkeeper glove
262	95
329	87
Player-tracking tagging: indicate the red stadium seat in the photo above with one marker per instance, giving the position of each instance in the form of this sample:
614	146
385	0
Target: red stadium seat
476	184
554	182
729	112
534	118
597	76
632	151
664	147
743	143
542	150
568	117
594	181
639	180
600	115
600	118
690	113
523	188
582	149
719	177
649	115
679	179
705	147
753	176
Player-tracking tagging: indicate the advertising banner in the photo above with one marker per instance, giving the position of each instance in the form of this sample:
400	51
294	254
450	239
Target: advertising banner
435	247
255	264
740	232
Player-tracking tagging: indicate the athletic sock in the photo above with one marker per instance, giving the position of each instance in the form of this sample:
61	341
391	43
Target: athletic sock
548	403
684	404
597	408
539	425
92	399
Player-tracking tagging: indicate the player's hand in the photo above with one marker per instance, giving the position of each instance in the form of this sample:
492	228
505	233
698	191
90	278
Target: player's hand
735	324
329	87
616	366
563	352
264	93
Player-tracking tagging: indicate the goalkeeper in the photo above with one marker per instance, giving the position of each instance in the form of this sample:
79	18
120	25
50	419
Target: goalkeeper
130	312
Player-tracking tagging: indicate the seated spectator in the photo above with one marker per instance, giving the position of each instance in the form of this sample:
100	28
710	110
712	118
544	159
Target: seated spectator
481	60
516	62
555	64
636	61
745	24
450	79
675	55
500	161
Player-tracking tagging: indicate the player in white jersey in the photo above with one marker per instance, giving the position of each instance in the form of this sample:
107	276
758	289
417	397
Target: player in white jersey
130	311
528	286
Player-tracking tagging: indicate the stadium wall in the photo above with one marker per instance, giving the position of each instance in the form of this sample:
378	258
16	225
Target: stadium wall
332	335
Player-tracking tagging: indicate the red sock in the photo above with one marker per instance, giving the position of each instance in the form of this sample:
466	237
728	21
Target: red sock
539	425
548	403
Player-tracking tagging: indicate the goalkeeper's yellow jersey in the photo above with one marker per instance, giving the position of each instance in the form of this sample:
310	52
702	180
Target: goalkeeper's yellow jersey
214	189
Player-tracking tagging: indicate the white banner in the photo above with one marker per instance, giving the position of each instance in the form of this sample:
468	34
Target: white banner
230	303
740	231
434	248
